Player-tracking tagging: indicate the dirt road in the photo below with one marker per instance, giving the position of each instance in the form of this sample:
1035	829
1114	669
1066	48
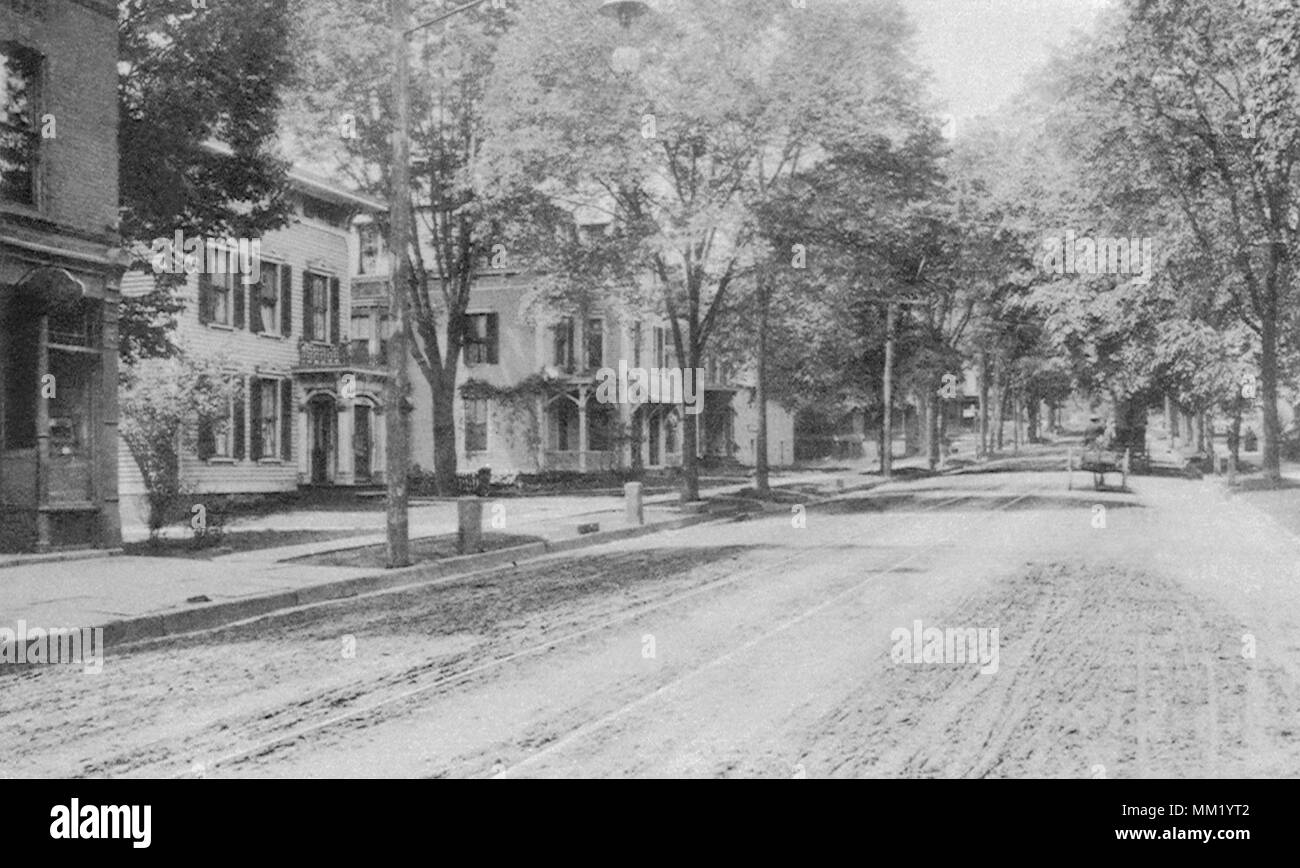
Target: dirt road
1149	633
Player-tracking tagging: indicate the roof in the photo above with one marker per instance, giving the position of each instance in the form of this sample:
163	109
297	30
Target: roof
317	185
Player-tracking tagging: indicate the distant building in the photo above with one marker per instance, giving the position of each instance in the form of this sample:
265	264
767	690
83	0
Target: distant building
59	271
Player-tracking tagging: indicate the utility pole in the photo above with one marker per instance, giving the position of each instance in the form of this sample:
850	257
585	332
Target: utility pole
887	423
398	428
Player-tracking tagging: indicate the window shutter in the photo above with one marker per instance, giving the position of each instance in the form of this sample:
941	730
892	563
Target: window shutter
286	300
205	298
256	293
335	335
308	306
255	415
240	415
492	356
207	439
286	420
237	290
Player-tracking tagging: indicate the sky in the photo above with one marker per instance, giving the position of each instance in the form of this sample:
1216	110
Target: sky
980	51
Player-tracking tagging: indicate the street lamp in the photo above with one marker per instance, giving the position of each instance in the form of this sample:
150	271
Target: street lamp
626	58
626	11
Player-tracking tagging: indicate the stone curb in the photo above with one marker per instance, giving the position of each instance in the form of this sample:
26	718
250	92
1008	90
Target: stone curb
206	617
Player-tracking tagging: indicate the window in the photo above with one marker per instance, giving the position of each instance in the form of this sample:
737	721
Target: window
564	425
670	432
476	424
223	435
265	316
601	426
636	344
563	335
19	128
481	339
270	403
369	262
595	344
218	295
661	347
320	316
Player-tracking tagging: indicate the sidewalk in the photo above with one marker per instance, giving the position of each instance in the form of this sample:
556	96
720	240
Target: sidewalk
144	597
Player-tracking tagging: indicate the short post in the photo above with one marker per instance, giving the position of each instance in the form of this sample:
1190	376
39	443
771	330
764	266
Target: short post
469	530
632	503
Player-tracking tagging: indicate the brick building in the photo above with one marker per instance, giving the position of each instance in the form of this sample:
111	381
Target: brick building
59	272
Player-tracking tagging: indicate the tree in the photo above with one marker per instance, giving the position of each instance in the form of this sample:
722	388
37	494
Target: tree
1213	123
199	101
731	96
163	403
462	223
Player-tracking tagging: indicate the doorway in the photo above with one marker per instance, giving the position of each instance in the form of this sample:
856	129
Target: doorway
361	442
322	418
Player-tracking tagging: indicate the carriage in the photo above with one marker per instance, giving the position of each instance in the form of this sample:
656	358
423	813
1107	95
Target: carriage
1122	454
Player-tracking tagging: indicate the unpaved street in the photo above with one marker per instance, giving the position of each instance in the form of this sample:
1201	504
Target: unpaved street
1160	644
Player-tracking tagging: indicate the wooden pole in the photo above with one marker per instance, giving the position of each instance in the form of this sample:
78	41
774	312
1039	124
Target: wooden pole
397	428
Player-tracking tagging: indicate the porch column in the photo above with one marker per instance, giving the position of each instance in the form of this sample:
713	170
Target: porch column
304	445
582	429
379	434
43	439
106	451
346	472
543	432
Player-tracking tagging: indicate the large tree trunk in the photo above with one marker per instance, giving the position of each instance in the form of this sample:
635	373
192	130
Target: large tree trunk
984	407
1000	402
443	393
1272	455
637	431
1034	411
760	440
1171	420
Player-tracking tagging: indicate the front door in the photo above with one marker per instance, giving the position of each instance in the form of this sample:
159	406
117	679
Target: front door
361	441
653	428
322	440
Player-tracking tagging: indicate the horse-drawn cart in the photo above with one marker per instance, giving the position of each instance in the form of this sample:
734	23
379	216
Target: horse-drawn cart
1098	461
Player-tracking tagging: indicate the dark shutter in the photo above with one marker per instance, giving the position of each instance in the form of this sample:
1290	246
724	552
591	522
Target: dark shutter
336	335
240	418
207	439
286	300
255	417
308	306
205	298
286	420
256	293
492	356
237	290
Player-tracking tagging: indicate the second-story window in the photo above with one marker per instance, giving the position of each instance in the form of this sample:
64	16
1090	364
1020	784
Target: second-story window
20	70
595	338
481	339
320	315
265	315
563	356
636	344
216	298
370	249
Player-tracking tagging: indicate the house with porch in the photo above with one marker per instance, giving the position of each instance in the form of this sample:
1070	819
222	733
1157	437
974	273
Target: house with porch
310	367
59	273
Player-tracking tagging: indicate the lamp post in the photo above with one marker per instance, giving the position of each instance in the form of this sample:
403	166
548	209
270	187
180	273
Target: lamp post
397	431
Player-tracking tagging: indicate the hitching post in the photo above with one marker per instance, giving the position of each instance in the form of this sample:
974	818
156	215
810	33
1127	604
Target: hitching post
632	503
469	532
